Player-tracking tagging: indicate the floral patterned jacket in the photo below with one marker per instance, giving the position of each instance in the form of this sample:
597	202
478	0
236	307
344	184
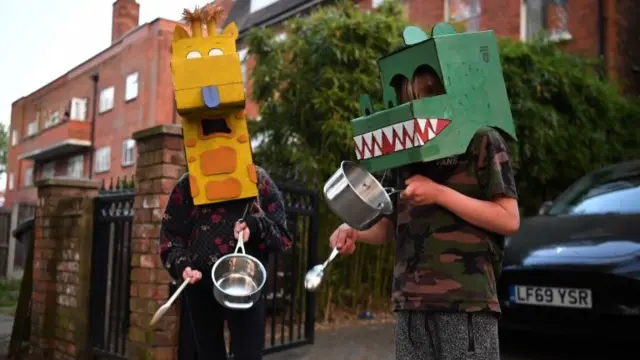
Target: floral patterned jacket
196	236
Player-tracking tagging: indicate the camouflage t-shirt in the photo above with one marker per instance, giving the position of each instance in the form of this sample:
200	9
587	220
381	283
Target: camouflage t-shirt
444	263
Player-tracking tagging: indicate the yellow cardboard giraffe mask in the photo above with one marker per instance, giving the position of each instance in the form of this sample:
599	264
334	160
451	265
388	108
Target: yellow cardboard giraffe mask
209	92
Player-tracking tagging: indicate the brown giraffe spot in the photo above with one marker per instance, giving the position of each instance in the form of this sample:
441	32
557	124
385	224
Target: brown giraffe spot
191	142
243	138
193	186
229	188
253	175
222	160
192	159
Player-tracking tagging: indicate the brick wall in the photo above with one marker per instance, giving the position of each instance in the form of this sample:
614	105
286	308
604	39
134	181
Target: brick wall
160	164
61	269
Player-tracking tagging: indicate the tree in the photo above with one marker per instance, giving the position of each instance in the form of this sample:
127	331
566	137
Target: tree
4	147
309	84
569	119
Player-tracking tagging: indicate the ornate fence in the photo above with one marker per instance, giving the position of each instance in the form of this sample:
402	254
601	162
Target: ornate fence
110	269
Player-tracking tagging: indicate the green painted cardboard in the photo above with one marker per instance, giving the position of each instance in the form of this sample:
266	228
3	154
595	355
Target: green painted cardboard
436	127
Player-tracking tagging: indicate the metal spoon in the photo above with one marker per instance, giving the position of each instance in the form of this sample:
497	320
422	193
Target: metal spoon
164	308
314	276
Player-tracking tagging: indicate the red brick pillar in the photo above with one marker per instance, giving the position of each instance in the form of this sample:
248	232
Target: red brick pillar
62	269
159	166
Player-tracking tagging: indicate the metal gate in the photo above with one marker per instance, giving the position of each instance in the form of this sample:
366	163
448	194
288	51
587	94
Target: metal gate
291	310
110	268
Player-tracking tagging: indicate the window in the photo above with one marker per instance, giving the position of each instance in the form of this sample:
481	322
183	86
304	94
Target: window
106	99
128	153
242	54
52	120
14	137
103	159
376	3
131	89
550	16
260	4
598	193
32	128
465	12
75	166
48	170
28	177
11	180
78	109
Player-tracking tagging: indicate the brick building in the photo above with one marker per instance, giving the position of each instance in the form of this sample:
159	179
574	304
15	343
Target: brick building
80	124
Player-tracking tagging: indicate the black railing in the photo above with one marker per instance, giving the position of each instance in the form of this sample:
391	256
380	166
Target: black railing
110	269
290	308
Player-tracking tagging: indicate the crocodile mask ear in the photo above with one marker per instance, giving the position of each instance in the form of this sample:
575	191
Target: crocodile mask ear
413	35
443	28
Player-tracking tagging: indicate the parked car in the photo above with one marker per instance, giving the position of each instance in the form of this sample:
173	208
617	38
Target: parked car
575	268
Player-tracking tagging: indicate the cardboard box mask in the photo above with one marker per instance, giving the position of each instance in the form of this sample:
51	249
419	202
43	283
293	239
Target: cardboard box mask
434	127
209	93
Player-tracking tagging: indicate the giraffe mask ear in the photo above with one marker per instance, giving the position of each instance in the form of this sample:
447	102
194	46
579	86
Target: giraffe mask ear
180	33
231	30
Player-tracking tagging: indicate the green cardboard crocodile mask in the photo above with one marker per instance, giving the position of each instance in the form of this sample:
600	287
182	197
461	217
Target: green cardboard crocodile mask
431	128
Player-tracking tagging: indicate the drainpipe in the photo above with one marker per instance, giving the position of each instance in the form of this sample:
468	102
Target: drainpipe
601	30
94	107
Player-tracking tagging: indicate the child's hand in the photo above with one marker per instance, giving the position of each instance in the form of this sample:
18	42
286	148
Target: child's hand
421	190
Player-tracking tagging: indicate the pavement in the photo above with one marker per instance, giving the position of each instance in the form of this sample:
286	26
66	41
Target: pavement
6	325
375	342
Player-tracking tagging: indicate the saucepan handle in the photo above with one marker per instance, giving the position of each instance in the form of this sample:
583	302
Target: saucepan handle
240	306
390	191
240	245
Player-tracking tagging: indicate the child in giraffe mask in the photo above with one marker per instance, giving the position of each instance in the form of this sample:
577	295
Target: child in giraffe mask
200	223
440	137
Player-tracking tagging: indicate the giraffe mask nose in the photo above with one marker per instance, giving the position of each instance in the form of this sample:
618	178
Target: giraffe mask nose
211	96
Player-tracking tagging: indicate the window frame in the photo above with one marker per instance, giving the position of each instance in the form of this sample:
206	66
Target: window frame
104	105
100	155
48	170
131	92
28	177
128	145
11	181
14	137
73	111
72	162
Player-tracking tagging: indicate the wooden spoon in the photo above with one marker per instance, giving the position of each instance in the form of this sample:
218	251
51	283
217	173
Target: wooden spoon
164	308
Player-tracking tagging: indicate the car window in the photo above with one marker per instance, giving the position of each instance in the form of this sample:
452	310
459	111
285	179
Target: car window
621	196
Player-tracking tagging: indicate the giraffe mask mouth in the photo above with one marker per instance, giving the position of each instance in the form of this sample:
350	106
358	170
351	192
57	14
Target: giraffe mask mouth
214	126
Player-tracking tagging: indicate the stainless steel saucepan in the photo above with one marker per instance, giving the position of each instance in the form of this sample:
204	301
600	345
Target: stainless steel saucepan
356	196
238	279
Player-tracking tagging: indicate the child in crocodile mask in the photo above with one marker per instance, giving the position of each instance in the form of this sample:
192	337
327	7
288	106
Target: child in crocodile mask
460	198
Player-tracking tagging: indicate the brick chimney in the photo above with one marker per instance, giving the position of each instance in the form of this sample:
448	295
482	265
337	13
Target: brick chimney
126	14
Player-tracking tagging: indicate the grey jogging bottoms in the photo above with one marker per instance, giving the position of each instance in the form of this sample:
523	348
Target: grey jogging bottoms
424	335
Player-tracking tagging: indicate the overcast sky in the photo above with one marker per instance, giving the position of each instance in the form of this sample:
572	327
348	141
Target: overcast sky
43	39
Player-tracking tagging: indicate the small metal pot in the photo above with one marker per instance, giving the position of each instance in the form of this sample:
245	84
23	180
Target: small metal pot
356	196
238	279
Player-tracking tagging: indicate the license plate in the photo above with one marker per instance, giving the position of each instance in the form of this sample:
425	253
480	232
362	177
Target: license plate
551	296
